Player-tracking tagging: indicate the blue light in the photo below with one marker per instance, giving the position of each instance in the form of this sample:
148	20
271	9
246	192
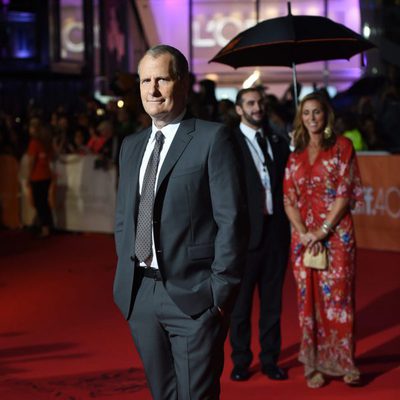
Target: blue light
21	31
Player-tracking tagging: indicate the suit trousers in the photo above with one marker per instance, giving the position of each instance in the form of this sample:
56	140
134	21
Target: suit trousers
265	270
182	355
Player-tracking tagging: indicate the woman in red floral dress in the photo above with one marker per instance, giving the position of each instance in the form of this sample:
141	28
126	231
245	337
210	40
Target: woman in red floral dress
322	184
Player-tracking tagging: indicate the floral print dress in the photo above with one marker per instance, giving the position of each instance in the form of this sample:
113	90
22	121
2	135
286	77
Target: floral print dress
325	298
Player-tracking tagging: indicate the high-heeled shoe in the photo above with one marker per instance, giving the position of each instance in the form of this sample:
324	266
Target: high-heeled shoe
315	380
352	379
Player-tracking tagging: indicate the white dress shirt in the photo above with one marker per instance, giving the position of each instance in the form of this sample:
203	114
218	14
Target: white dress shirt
258	158
169	132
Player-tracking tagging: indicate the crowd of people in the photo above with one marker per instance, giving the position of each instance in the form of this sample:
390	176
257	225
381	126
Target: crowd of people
231	204
370	119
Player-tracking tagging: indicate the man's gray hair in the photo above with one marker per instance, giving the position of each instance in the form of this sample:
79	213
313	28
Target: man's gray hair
180	67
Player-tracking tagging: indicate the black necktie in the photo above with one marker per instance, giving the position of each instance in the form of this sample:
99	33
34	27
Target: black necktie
143	248
262	142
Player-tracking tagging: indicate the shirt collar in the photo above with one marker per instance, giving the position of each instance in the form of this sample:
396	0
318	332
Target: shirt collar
250	133
170	129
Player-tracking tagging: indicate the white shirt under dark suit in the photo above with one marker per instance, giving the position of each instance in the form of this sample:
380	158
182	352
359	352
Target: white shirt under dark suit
268	249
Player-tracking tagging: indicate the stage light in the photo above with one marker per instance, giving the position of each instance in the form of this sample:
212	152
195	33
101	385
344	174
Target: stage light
366	31
212	77
249	82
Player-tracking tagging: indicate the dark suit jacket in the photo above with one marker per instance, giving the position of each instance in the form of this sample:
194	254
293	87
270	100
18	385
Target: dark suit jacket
255	192
200	225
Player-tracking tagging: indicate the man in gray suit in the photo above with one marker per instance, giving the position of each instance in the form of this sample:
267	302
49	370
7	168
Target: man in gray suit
181	235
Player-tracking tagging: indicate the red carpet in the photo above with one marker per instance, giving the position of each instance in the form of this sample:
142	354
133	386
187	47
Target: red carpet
62	337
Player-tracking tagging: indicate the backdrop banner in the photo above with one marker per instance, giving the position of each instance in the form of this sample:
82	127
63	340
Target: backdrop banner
82	196
84	199
85	196
377	224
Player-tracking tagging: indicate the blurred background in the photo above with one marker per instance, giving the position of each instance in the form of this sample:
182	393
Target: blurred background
91	47
72	65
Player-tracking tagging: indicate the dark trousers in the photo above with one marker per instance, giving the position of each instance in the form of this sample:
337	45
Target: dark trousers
40	194
182	355
265	269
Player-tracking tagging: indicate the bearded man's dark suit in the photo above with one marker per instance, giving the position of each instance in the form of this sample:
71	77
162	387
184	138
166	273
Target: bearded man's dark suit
266	258
199	224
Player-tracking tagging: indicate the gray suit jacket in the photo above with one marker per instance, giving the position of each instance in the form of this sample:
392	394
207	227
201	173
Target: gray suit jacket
200	218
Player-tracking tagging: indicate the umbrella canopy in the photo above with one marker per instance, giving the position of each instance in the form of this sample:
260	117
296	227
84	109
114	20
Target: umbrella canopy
291	40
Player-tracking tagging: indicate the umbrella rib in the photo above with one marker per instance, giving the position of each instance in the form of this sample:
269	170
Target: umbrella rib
327	40
287	42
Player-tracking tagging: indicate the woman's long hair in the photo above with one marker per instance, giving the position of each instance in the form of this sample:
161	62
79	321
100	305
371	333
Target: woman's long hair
301	137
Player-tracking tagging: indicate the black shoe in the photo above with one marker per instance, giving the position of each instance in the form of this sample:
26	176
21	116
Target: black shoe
240	374
274	372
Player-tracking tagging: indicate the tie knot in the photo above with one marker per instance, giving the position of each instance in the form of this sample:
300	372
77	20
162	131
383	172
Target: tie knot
259	136
159	137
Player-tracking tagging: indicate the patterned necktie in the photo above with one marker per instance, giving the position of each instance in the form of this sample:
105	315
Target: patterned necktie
262	142
143	248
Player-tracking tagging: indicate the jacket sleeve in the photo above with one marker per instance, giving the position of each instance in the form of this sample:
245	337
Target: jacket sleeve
227	191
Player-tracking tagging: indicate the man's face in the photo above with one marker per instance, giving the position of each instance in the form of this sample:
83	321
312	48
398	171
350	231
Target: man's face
252	109
163	96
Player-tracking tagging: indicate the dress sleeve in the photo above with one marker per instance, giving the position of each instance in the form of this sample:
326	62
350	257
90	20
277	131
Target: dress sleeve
289	189
349	180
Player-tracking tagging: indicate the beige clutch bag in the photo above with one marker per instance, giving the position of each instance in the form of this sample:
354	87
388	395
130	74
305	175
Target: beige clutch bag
320	261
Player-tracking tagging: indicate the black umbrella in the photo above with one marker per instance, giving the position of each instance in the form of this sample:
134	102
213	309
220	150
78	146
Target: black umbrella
291	40
366	86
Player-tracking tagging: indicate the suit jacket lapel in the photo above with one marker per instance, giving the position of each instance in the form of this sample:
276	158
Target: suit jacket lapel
178	145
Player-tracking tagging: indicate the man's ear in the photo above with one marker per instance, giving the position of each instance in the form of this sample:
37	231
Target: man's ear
239	110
